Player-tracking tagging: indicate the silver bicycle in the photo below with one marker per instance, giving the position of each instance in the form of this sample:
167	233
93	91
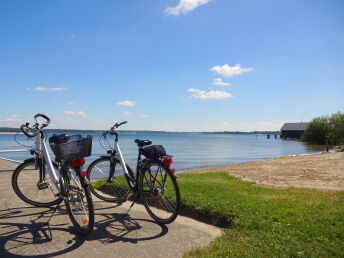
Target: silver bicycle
154	182
41	182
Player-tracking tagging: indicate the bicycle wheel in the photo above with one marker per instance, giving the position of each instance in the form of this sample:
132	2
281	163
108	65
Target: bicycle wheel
160	192
109	188
79	203
25	182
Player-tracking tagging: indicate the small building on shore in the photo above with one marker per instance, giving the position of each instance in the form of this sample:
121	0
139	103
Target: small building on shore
293	130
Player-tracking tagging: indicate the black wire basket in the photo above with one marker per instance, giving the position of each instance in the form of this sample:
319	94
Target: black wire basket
75	147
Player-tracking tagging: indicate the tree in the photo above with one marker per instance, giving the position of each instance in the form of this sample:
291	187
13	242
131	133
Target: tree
336	129
316	130
324	128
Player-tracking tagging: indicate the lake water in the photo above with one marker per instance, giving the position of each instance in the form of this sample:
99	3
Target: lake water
190	150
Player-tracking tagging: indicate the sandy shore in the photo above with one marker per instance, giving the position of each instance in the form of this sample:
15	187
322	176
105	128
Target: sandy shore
320	171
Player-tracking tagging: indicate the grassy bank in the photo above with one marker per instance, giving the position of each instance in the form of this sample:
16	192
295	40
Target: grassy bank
262	221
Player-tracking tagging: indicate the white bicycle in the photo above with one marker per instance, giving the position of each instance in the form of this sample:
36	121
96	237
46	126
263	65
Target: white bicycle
41	182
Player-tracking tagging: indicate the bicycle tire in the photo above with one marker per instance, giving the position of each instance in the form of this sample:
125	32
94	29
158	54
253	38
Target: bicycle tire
160	192
23	180
79	204
98	174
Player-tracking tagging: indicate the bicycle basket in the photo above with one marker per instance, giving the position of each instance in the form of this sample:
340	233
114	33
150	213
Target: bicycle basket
72	148
154	152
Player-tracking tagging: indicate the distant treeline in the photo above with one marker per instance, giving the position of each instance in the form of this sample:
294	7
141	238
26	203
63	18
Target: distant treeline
9	129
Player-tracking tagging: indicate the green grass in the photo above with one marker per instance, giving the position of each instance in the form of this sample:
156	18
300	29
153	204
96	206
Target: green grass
261	221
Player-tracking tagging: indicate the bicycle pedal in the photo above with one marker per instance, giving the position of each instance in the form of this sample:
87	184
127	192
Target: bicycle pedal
42	185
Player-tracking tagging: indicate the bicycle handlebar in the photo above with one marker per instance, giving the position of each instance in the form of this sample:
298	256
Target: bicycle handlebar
45	117
118	124
25	131
112	129
25	127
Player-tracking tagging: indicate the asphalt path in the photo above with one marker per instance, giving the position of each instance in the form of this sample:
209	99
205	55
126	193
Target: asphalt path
27	231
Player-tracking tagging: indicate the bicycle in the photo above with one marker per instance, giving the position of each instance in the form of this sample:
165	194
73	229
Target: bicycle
64	181
112	180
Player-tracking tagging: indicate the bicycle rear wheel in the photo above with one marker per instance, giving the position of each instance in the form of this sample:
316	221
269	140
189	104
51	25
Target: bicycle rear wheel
107	179
160	192
79	203
28	187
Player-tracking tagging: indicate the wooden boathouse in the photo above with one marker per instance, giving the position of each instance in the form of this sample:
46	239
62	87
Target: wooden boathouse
293	130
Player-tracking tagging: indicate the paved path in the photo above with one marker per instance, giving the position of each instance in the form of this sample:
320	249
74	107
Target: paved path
24	231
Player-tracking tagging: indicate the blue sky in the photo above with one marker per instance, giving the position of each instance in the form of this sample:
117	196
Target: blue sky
174	65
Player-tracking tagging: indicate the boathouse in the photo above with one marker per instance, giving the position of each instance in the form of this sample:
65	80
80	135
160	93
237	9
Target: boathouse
293	130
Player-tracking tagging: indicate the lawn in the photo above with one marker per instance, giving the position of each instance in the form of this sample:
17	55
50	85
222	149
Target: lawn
260	221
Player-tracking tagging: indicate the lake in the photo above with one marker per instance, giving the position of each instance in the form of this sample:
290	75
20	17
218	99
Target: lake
190	150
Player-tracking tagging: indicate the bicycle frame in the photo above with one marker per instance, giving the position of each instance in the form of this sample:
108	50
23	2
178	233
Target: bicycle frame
41	149
123	165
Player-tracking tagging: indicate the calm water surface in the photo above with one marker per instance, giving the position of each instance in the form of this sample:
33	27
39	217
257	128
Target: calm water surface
190	150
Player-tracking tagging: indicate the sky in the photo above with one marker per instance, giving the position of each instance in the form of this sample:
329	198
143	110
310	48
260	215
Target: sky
172	65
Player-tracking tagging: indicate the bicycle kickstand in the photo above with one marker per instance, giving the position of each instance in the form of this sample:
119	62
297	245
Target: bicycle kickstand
132	204
47	223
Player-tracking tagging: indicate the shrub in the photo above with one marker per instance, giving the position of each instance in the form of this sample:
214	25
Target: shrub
324	128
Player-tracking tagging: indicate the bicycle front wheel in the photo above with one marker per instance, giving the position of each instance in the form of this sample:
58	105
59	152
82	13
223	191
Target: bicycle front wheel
160	192
79	203
27	185
107	179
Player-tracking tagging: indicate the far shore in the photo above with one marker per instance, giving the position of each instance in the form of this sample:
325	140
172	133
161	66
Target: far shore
320	171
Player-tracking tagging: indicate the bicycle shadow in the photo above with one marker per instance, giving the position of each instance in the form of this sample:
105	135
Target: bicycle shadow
34	237
122	227
24	231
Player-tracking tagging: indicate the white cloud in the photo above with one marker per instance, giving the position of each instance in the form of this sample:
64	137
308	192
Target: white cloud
81	113
48	89
229	71
14	118
185	6
71	103
11	121
143	115
127	113
219	82
213	94
127	103
72	113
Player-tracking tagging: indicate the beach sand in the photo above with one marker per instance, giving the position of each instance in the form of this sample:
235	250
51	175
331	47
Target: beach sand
321	171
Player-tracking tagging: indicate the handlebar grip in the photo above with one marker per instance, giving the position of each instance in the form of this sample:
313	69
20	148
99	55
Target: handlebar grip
45	117
25	132
120	123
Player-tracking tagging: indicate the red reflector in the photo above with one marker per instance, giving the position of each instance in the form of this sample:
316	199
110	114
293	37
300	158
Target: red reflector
83	173
168	160
78	162
173	170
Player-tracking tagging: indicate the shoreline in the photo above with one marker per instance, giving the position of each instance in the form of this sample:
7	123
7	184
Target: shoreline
323	171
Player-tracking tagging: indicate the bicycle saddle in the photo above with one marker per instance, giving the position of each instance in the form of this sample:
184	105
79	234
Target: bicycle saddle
142	143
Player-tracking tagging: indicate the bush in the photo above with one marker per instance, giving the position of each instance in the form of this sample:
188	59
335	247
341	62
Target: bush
325	128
